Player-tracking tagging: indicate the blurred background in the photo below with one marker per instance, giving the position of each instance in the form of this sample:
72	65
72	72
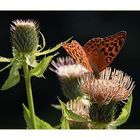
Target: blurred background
58	26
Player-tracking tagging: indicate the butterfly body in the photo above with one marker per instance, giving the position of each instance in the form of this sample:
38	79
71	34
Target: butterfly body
98	52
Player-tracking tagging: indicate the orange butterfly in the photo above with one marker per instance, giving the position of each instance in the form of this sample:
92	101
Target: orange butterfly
98	52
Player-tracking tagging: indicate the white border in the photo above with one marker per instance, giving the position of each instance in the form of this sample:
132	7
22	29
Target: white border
69	134
70	5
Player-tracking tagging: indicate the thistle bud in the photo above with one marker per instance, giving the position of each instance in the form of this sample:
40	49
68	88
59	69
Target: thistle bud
24	35
81	108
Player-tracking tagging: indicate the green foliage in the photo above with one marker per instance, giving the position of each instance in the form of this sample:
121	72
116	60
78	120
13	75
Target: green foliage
64	123
38	53
13	78
71	115
40	123
4	59
17	62
25	50
58	107
42	66
31	60
6	67
125	113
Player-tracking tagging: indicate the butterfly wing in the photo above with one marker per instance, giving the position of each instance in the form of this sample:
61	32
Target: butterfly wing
76	51
110	48
92	49
102	51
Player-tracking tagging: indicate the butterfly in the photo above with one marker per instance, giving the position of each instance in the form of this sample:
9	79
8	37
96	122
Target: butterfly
97	53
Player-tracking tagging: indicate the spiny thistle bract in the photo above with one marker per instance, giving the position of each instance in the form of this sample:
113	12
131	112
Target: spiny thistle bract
79	106
24	35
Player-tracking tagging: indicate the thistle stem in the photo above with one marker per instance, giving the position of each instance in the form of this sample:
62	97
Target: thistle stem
29	94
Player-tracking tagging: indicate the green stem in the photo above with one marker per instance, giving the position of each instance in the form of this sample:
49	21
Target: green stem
29	94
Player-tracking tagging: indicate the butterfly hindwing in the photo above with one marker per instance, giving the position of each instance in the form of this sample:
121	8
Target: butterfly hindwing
102	51
92	49
110	48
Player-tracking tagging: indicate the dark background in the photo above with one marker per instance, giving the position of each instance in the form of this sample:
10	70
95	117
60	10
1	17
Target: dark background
58	26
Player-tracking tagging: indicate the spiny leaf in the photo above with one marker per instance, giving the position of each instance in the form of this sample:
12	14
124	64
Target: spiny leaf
51	50
4	59
40	123
13	78
42	66
58	107
71	115
65	123
125	113
31	60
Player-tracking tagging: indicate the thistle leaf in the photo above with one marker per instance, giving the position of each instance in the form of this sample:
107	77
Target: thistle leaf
71	115
51	50
125	113
65	123
13	78
4	59
58	107
31	60
42	66
40	123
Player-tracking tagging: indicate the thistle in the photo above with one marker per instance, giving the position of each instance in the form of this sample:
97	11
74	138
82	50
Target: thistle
105	93
68	72
80	107
26	48
24	35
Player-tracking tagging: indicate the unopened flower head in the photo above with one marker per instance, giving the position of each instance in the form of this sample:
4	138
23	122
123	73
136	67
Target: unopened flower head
81	108
68	72
112	86
24	35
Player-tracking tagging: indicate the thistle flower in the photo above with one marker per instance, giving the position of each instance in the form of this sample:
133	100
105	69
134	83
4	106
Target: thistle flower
67	67
24	35
68	72
105	92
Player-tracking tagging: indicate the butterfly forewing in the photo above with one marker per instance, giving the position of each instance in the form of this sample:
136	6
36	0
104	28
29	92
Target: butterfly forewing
76	51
